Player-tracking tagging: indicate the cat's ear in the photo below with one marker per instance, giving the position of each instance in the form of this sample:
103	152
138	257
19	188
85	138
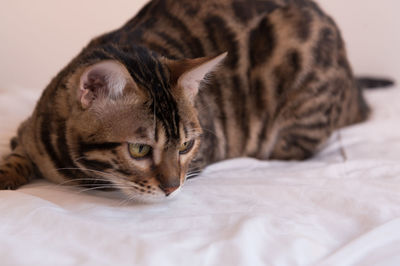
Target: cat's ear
104	79
188	73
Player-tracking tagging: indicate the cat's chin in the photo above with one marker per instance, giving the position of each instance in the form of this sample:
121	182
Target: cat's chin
159	197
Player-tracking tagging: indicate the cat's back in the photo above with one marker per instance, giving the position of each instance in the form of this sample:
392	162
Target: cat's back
280	52
286	71
186	28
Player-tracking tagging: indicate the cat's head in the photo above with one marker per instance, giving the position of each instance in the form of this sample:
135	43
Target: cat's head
134	125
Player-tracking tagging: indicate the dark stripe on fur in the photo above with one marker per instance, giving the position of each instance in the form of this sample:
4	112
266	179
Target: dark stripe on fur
314	110
88	147
242	10
325	48
264	6
95	164
125	172
193	44
261	43
309	127
223	39
293	142
63	161
263	134
245	10
238	99
304	26
286	73
175	44
305	139
257	91
159	49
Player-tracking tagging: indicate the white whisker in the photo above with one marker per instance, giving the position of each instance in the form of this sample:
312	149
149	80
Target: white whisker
127	200
83	169
101	187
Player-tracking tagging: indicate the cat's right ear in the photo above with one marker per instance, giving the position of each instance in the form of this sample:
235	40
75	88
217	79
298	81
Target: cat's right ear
187	74
104	79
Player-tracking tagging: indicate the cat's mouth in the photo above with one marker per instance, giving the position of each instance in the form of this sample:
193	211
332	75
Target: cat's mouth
169	190
148	192
173	192
158	197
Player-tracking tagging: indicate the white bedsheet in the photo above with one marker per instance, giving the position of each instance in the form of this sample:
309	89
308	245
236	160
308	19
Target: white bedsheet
324	211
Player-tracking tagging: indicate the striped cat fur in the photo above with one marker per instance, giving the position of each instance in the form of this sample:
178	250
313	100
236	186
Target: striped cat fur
163	81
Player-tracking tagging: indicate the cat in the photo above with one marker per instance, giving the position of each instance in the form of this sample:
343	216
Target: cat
184	84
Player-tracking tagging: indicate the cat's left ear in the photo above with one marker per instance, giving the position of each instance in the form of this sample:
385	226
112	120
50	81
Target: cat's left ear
187	74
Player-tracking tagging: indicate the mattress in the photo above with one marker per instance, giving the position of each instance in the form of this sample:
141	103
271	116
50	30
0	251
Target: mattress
341	207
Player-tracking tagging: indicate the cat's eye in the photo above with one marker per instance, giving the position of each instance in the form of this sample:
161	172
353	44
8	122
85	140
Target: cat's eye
186	147
139	151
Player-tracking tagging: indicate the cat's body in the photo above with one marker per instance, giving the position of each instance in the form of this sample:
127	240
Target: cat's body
284	86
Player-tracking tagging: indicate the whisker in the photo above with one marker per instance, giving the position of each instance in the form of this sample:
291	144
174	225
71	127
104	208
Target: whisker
342	148
80	158
113	186
83	169
93	179
127	200
194	173
96	188
195	170
79	186
81	179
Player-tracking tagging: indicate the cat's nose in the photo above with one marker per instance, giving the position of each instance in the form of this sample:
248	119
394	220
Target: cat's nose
169	189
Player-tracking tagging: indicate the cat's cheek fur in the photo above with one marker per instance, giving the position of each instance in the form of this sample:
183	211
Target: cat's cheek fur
134	194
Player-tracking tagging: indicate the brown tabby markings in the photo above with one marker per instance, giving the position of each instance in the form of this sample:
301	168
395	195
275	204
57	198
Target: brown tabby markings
284	87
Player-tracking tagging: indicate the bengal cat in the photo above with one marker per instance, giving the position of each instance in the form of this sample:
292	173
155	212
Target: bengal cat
185	84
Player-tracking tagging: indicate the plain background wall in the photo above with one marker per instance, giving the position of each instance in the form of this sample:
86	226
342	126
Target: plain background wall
39	37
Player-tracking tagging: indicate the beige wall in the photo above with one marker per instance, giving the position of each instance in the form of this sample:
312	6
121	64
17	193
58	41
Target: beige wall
371	29
39	37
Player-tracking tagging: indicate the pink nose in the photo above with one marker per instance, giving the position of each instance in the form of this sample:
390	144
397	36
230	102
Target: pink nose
168	190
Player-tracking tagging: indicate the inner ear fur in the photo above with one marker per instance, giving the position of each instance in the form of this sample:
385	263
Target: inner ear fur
105	79
186	74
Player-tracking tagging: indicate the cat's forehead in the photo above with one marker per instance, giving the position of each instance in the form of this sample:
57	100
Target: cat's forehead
120	119
134	123
152	76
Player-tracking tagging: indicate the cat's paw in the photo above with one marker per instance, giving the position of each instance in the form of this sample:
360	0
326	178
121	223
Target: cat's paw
9	181
15	170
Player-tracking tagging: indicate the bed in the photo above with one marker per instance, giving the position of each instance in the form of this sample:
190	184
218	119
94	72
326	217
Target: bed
340	208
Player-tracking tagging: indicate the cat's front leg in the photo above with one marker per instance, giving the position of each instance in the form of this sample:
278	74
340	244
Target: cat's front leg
16	169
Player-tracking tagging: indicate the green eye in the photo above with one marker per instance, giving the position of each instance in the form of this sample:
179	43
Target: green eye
186	147
139	151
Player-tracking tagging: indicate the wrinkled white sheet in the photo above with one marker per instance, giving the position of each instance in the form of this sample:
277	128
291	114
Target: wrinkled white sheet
324	211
